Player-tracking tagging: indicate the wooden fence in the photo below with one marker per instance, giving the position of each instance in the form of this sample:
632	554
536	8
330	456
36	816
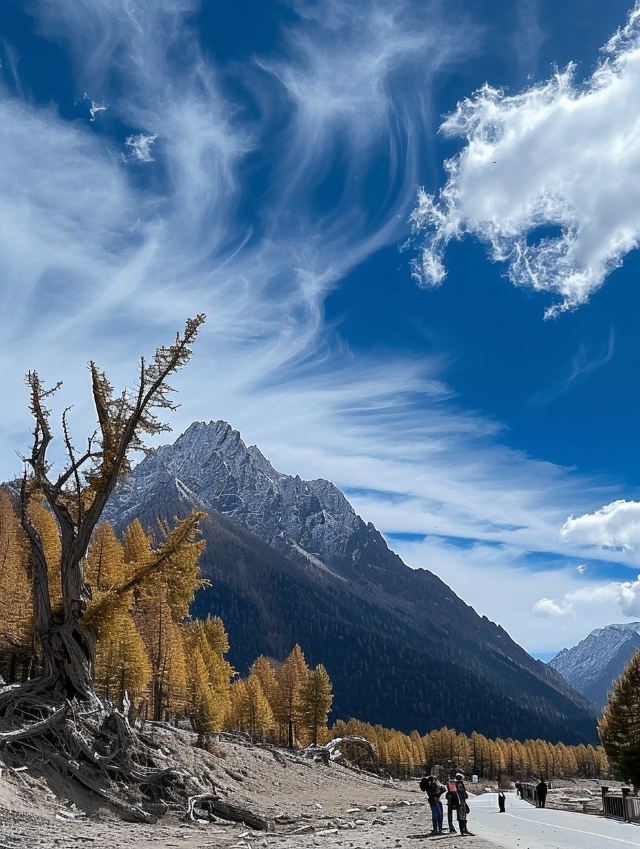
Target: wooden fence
621	806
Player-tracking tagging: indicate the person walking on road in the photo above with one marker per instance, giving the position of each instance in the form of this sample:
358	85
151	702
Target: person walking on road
463	808
541	793
501	801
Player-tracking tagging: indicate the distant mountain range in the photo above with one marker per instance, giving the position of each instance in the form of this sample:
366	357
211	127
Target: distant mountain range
290	561
592	666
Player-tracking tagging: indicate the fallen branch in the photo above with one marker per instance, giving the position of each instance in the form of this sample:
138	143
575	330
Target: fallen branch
236	814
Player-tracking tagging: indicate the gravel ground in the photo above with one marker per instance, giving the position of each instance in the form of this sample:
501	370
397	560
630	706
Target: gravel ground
309	804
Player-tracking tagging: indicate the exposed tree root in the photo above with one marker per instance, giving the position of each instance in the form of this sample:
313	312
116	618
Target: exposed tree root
354	752
94	745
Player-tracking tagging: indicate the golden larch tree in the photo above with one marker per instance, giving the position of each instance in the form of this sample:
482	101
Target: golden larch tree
16	605
291	677
316	695
206	642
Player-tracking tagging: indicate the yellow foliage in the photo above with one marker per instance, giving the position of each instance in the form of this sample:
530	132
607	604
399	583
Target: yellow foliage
122	663
152	615
47	527
16	607
206	642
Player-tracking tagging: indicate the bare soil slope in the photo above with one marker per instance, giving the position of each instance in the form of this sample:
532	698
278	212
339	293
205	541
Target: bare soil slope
309	804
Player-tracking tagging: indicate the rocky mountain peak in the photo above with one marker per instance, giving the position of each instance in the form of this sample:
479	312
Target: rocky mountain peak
213	463
594	663
288	560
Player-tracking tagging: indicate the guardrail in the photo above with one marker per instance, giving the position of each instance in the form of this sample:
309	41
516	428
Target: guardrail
528	792
620	806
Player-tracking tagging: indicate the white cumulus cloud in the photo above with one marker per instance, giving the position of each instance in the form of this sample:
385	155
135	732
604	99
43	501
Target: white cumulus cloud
614	526
560	155
625	594
548	607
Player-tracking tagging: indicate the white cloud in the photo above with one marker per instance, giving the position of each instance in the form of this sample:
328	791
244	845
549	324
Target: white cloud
547	607
497	583
140	146
625	595
99	267
93	266
94	108
581	366
560	154
614	526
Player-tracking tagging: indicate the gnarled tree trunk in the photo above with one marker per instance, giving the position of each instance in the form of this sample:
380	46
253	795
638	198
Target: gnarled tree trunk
58	716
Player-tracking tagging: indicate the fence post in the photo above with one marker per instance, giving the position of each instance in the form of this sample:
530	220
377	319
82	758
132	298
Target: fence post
604	790
625	794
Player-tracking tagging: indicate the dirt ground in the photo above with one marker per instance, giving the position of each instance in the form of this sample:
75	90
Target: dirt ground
309	804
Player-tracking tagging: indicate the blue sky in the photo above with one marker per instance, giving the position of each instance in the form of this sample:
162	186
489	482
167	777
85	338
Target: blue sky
413	226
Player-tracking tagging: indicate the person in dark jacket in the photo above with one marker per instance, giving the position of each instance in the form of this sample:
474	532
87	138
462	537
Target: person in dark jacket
452	805
541	793
462	794
434	792
502	799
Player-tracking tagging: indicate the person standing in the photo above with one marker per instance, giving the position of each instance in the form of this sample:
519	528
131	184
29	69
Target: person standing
501	801
463	808
452	805
541	793
434	792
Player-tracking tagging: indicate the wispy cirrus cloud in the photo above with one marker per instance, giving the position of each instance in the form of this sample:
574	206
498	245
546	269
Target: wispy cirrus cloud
140	145
103	259
582	365
547	178
107	246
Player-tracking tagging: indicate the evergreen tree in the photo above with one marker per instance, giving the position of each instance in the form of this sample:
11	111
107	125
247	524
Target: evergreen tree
620	724
104	565
258	713
235	717
200	706
122	663
249	709
266	674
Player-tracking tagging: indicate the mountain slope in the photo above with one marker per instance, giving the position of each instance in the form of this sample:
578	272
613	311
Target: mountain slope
290	561
592	666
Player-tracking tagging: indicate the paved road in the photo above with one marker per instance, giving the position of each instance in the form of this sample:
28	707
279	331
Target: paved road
525	827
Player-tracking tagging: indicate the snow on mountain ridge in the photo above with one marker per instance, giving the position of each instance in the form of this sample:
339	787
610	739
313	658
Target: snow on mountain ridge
212	462
592	665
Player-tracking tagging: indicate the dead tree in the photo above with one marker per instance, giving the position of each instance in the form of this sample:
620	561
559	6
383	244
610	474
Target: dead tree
349	751
59	713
